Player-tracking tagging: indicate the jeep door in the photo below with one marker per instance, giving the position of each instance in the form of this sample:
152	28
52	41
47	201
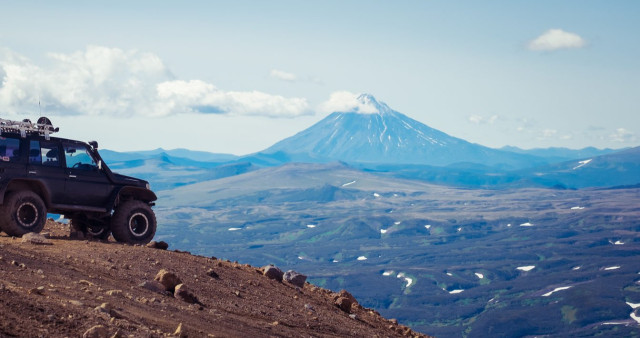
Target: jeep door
86	184
10	164
45	166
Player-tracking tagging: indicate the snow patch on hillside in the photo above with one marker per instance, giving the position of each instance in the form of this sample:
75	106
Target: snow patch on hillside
526	268
348	183
582	164
556	290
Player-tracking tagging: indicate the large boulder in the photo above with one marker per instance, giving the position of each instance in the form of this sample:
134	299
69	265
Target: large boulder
168	279
34	238
295	278
344	300
273	272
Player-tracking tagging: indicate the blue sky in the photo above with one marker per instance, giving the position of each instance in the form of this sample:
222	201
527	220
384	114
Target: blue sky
236	77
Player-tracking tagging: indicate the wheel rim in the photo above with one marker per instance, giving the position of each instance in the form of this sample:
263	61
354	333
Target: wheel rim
95	230
27	214
138	224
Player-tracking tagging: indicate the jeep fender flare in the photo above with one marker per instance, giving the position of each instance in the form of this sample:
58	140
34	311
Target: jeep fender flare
135	193
22	184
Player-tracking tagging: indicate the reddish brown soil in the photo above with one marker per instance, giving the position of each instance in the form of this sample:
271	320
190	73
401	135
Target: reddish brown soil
53	290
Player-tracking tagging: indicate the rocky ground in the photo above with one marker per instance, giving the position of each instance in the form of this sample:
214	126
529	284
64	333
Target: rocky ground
58	286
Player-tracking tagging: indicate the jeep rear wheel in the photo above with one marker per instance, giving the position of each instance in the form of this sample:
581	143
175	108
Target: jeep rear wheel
133	222
22	212
93	228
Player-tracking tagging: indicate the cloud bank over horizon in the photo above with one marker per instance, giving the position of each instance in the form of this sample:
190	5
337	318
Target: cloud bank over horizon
110	81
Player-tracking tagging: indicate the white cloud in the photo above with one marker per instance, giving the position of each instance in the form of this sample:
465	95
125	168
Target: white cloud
548	133
623	136
110	81
282	75
477	119
554	39
344	101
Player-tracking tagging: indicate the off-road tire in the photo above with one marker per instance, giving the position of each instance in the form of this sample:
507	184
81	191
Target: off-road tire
133	222
91	228
22	212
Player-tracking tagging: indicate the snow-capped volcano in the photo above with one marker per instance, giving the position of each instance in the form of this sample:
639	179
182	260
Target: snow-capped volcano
371	132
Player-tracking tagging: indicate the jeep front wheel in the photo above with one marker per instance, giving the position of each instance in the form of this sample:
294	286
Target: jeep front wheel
133	222
22	212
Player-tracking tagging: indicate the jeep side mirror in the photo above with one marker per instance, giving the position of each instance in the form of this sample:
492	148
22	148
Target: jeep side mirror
94	144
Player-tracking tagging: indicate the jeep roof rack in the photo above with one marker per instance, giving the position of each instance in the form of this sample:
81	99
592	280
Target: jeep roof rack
24	127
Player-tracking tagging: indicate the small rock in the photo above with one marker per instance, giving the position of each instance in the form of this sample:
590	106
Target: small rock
162	245
295	278
273	272
76	303
104	307
168	279
97	331
211	273
154	286
179	331
108	309
344	304
114	293
353	316
35	238
309	307
38	291
184	294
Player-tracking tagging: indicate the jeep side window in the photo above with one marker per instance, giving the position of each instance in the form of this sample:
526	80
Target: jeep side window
34	152
9	149
45	153
78	157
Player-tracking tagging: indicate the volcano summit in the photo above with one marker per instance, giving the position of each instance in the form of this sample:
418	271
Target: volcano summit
372	132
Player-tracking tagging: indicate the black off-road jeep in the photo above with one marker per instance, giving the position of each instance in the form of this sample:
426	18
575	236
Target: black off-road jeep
40	174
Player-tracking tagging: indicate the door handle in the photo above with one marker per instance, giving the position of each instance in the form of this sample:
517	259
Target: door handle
33	172
72	176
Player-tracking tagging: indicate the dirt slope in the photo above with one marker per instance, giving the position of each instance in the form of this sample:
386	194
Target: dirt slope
57	289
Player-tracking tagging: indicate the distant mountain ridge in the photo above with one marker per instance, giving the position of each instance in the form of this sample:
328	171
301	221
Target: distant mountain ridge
558	154
387	136
375	138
